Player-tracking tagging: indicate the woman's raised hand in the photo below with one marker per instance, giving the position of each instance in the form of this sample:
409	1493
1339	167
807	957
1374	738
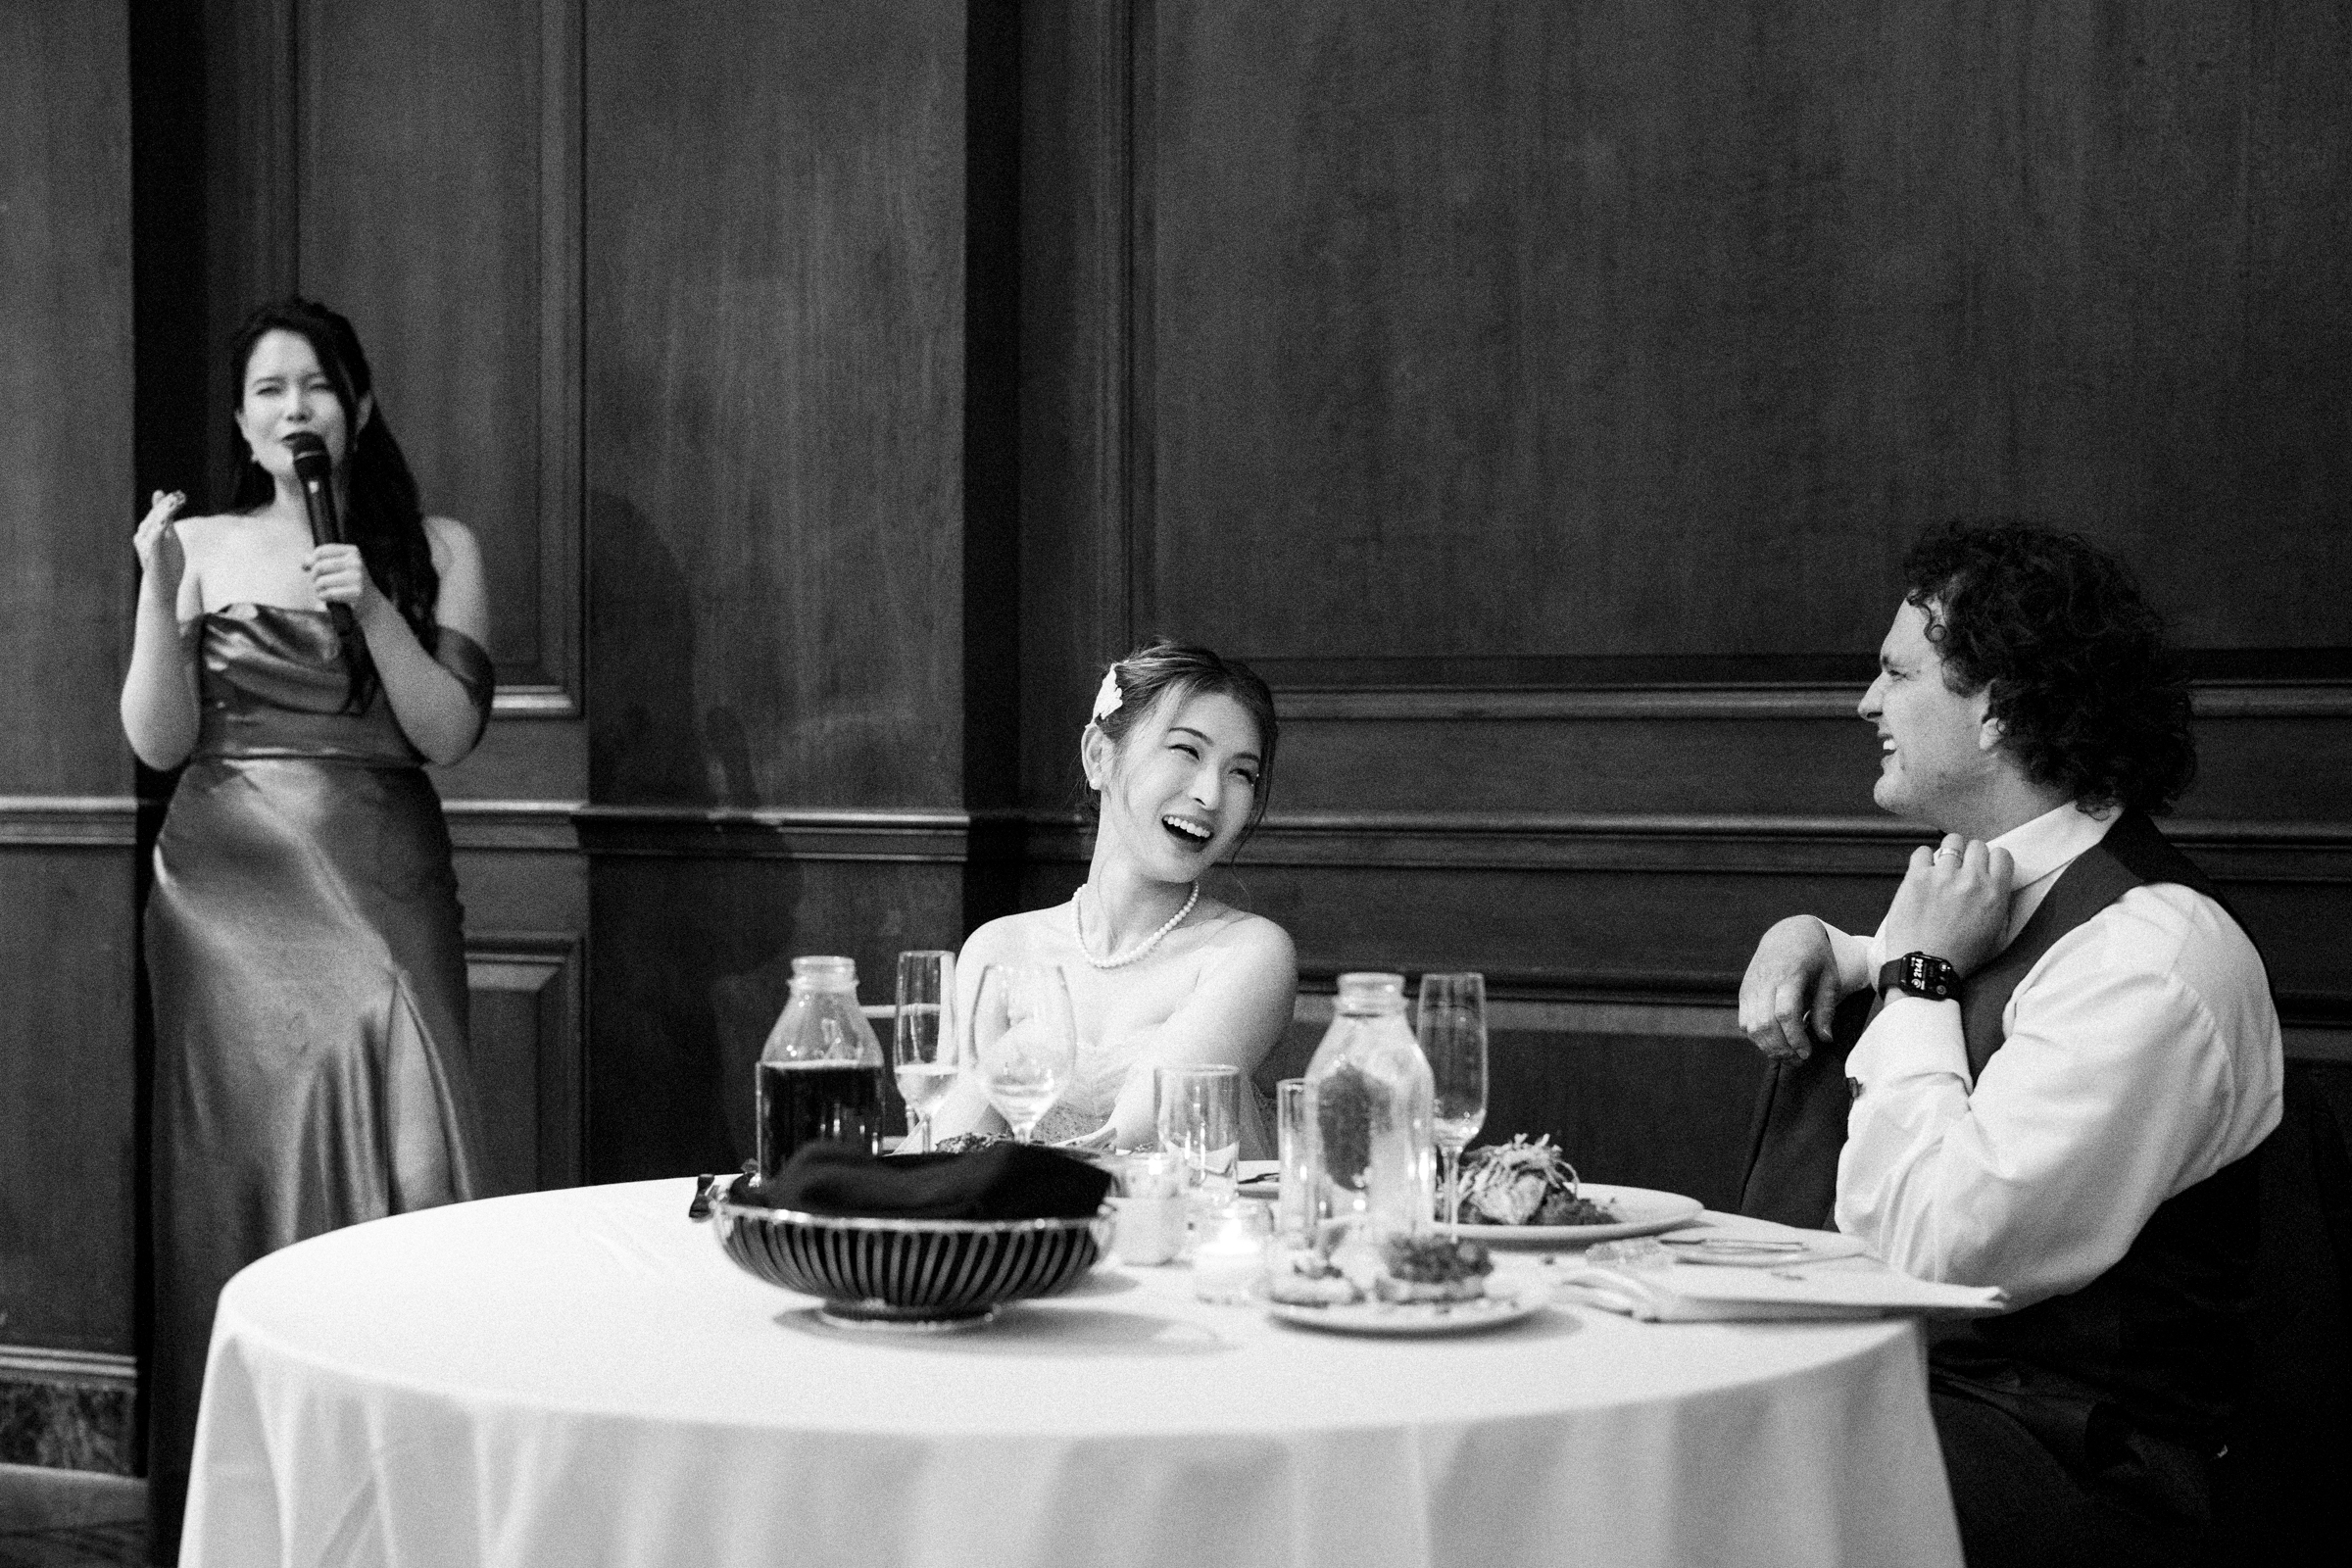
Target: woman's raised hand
162	559
338	576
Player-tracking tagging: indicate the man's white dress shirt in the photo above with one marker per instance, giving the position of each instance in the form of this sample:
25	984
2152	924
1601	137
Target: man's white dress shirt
2142	1055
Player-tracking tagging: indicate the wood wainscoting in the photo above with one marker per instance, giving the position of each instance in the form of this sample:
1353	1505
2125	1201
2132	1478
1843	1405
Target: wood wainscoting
1613	947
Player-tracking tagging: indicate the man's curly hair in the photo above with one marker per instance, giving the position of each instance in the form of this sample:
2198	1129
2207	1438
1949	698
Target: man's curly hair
2089	698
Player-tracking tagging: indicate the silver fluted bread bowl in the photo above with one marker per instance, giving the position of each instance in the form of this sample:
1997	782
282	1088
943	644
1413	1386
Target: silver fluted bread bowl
909	1274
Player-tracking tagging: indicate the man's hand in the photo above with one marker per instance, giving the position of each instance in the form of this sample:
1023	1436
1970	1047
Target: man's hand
1793	971
1953	905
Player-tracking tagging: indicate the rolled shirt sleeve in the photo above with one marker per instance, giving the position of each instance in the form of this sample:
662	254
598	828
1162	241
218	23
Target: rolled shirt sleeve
2141	1054
1857	959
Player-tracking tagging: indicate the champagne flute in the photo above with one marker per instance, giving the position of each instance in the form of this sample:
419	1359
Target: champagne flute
1452	1027
1024	1041
922	1042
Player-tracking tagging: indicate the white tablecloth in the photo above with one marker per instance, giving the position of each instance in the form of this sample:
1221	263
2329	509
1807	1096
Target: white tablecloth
582	1378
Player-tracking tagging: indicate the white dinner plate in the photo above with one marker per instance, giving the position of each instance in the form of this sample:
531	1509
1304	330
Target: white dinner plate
1418	1317
1641	1211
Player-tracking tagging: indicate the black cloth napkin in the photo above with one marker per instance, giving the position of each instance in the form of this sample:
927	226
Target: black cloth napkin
1006	1181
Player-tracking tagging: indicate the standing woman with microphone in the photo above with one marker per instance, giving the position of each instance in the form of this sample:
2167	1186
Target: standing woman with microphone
304	947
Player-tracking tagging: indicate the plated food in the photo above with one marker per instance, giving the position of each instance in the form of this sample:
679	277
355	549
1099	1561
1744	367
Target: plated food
1412	1284
1525	1194
1640	1211
1404	1268
1432	1268
1524	1183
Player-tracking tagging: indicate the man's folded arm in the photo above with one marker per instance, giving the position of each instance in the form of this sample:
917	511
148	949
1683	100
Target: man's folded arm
1857	959
2111	1094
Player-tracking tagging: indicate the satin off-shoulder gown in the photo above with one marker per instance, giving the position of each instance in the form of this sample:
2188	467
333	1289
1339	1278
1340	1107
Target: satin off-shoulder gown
308	971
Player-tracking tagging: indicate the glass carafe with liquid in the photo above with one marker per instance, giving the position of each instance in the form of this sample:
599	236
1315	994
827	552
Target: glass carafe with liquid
820	1074
1368	1099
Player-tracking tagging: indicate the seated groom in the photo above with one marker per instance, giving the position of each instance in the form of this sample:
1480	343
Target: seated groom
2049	1067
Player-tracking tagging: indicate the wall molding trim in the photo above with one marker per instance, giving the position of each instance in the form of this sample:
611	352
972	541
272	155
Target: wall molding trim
1812	846
69	1410
68	821
542	826
2280	852
2317	1023
18	1361
1316	1003
1729	700
942	837
548	970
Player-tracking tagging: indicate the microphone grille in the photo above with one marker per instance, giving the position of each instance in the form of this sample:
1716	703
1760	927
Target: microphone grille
311	460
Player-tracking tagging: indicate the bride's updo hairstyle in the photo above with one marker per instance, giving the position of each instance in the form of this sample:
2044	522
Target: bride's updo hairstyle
1134	685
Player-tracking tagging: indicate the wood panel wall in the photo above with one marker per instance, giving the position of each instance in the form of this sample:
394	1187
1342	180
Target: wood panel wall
1652	334
784	515
70	1166
65	862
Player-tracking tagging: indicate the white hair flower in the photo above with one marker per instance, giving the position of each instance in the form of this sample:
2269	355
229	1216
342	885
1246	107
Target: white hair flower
1108	696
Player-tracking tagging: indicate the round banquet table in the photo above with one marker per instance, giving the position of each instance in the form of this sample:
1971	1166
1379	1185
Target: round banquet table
579	1378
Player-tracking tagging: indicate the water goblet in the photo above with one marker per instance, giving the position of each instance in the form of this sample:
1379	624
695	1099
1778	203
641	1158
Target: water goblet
1198	1112
1451	1024
1296	1208
922	1040
1024	1041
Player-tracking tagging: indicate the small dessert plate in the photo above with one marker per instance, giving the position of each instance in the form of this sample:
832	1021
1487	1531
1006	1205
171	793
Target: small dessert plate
1521	1299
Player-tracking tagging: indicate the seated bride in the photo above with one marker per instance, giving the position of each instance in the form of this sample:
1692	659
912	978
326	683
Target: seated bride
1161	974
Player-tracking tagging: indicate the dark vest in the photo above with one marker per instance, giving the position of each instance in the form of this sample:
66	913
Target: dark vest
2159	1339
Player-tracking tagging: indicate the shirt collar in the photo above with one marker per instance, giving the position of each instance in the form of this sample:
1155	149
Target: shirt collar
2047	845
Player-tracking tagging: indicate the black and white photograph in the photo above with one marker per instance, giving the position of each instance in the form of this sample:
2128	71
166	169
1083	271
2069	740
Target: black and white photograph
1175	783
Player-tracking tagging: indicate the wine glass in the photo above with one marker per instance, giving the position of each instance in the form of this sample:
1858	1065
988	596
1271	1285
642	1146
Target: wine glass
1452	1027
1198	1113
1024	1041
922	1040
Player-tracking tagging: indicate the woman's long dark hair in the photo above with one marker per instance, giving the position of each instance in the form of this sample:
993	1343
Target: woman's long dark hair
382	514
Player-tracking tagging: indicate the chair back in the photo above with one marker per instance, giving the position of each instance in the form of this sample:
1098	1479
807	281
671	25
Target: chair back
2282	1493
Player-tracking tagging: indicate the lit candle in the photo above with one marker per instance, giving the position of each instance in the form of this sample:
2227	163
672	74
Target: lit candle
1230	1255
1149	1225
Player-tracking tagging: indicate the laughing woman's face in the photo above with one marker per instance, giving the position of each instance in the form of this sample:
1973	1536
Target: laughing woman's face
1179	790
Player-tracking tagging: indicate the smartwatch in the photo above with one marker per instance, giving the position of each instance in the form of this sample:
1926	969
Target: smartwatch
1919	974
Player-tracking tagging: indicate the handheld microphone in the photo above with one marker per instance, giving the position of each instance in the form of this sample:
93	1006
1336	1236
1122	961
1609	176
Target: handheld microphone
313	466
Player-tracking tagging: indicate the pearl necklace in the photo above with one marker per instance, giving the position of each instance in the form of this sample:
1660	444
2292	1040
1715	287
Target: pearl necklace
1120	961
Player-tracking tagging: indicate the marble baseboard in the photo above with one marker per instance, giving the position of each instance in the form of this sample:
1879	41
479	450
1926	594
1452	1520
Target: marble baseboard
69	1422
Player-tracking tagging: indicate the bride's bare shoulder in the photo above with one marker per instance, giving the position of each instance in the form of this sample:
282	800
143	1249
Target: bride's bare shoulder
1253	938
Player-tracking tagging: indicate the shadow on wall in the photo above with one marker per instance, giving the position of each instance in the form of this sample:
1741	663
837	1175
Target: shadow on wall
688	955
643	748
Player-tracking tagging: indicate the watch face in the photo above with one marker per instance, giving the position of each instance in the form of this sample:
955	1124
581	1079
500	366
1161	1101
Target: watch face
1922	974
1931	977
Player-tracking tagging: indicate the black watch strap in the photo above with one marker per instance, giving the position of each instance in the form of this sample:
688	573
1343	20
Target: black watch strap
1919	974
